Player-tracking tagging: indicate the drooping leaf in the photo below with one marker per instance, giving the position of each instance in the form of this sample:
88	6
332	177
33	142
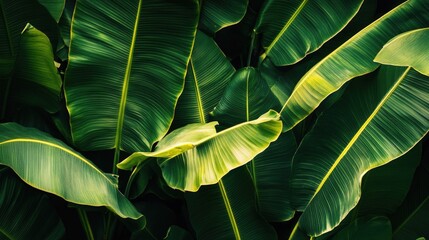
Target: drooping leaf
247	97
54	7
218	14
292	29
377	121
236	146
23	208
122	86
36	81
407	49
193	164
208	73
227	210
351	59
51	166
374	228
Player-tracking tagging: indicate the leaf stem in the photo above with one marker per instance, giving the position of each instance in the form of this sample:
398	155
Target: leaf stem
131	178
252	43
85	223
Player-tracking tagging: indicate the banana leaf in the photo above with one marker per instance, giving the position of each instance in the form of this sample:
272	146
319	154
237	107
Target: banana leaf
353	58
54	7
228	210
189	162
23	208
36	81
246	98
126	71
218	14
292	29
208	74
48	164
407	49
370	228
378	120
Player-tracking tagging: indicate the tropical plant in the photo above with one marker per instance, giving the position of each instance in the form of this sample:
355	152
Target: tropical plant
193	119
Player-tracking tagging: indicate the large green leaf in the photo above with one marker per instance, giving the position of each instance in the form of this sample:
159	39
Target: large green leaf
374	228
51	166
23	208
188	163
247	97
377	121
292	29
218	14
208	73
55	7
351	59
36	81
228	210
127	65
407	49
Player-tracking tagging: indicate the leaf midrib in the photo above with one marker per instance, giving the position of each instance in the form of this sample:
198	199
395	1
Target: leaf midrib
124	95
286	26
360	131
229	210
197	93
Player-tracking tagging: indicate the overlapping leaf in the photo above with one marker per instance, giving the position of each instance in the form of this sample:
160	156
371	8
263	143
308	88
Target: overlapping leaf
126	69
292	29
49	165
407	49
218	14
376	122
351	59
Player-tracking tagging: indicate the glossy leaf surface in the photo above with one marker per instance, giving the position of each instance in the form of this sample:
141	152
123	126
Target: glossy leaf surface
351	59
292	29
407	49
122	86
49	165
377	121
218	14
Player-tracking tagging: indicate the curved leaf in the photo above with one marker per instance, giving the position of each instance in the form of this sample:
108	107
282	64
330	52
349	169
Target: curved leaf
36	79
126	70
375	122
246	98
407	49
208	73
228	210
22	209
292	29
235	146
49	165
218	14
351	59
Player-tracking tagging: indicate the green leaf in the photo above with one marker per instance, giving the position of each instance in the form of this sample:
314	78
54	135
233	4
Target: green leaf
36	79
416	223
218	14
374	228
407	49
23	208
378	120
234	146
228	210
246	98
175	143
208	73
292	29
126	71
55	7
51	166
177	233
351	59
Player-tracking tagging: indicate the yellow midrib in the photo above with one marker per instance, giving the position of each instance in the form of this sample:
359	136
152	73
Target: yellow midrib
197	93
286	26
229	210
359	132
122	105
